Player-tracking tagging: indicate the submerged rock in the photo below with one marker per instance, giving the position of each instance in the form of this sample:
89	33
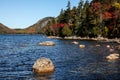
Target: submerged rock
111	50
43	66
113	56
47	43
98	45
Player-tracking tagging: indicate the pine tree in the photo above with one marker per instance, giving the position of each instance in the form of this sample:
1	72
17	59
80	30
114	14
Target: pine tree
66	31
83	27
74	19
68	13
60	18
117	29
79	10
48	30
100	17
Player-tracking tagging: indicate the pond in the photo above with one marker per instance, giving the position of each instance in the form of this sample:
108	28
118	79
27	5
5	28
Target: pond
19	52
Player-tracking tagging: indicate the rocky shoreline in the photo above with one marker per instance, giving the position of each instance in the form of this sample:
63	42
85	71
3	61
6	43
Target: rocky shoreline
116	40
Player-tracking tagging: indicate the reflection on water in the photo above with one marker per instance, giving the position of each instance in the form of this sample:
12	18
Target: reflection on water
19	52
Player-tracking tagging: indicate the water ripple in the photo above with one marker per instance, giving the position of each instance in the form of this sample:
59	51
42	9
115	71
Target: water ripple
19	52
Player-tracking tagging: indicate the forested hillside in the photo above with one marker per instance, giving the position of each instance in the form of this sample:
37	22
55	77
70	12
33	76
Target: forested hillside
5	30
35	28
88	19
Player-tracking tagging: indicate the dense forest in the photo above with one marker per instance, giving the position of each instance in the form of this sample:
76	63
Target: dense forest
88	19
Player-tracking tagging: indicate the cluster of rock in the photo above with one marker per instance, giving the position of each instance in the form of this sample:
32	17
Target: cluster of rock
110	57
87	38
45	65
80	46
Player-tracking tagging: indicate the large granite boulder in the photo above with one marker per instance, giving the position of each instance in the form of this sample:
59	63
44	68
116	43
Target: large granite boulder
43	66
47	43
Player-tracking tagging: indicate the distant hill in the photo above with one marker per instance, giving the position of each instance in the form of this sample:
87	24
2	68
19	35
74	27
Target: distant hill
5	30
35	28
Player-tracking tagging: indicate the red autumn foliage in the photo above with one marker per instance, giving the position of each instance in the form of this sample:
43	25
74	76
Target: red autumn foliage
114	15
96	7
106	6
107	15
56	26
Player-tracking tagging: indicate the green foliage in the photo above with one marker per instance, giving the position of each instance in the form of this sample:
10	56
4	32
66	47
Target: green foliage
116	5
66	30
96	31
61	17
105	32
100	17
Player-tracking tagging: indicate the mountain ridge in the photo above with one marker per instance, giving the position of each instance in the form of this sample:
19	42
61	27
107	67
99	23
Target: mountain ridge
6	30
35	28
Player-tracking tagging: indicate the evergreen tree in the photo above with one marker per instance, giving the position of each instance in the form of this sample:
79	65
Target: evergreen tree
79	15
68	6
79	10
68	13
100	17
61	17
48	30
74	19
118	26
66	30
83	27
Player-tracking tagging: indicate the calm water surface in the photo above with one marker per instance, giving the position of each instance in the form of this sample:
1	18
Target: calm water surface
19	52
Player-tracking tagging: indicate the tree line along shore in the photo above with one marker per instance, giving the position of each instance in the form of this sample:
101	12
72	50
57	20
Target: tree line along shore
88	19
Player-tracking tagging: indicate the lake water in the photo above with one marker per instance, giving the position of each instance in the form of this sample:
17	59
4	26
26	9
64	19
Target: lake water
19	52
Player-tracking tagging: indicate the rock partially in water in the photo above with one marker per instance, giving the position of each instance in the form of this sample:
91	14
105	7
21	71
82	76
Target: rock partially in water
108	46
74	42
118	47
111	50
43	66
54	37
81	46
47	43
113	56
97	45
